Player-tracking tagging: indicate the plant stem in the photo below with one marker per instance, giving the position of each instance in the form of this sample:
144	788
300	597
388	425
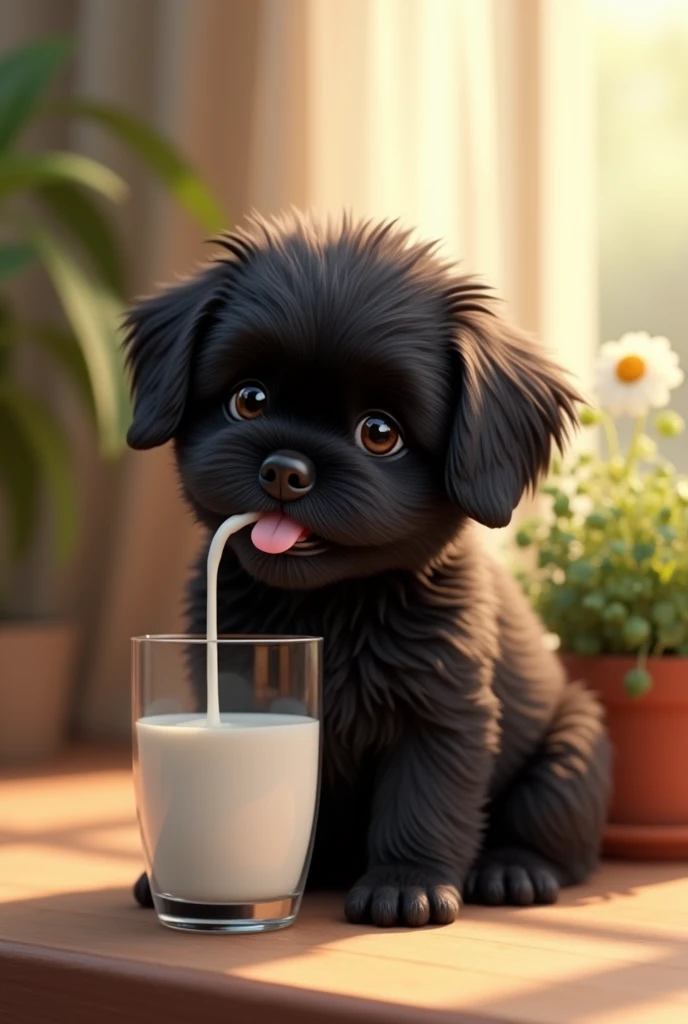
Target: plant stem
611	436
638	430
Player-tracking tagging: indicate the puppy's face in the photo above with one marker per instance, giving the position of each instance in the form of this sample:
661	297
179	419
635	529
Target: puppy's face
351	390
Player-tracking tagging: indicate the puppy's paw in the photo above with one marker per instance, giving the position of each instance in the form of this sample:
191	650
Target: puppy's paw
512	877
402	896
142	891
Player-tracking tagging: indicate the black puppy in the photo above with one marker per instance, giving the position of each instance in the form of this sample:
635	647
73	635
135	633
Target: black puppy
352	382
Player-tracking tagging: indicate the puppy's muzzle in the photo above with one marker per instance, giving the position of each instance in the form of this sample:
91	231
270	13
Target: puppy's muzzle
287	475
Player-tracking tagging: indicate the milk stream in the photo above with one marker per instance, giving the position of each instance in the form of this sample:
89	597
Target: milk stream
217	546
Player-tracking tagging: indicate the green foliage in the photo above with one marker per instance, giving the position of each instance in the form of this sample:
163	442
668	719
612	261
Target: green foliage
637	681
172	170
611	566
53	213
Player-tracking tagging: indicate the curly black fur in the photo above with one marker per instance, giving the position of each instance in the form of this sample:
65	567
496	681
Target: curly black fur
457	758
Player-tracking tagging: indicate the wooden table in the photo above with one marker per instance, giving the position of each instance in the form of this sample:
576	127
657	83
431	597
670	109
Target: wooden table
75	949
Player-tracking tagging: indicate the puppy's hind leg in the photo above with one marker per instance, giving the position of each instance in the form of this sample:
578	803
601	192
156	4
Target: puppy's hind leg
545	832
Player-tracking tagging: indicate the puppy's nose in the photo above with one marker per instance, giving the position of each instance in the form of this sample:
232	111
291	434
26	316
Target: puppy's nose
287	475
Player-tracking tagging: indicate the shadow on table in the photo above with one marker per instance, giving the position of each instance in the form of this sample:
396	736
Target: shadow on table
106	923
627	881
100	948
656	971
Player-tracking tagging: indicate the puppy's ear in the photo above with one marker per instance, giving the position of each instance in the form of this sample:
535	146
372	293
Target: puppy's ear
514	404
160	335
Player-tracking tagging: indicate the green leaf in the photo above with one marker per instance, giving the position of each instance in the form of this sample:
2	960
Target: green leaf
19	477
94	313
636	630
15	257
24	74
637	682
615	612
642	550
581	571
594	602
160	156
562	505
23	172
46	440
82	217
597	520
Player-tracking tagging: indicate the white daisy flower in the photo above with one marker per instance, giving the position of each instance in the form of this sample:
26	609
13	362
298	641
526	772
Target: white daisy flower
636	373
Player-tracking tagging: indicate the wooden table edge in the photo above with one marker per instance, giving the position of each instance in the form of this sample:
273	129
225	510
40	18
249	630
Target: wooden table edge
39	983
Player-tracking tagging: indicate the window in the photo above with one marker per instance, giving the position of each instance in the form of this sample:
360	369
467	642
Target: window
642	76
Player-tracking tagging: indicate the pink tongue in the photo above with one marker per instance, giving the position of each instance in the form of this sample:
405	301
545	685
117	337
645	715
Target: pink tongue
275	533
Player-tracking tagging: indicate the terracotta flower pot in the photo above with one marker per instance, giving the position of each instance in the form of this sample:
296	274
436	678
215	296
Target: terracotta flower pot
648	817
36	663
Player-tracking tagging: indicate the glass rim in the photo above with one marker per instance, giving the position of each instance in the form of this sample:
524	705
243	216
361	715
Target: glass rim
228	639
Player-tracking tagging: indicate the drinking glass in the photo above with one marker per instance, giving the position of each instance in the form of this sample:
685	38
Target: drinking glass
227	813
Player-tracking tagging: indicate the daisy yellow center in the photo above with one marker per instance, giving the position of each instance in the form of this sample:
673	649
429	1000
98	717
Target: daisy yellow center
630	369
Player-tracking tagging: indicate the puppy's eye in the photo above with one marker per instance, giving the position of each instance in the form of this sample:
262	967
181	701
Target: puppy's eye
247	403
378	434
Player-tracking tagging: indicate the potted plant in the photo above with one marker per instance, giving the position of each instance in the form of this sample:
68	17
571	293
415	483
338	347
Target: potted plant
52	213
609	578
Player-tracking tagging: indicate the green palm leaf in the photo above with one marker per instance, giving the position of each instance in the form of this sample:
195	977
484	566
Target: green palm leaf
19	477
175	173
15	257
78	212
94	314
24	74
44	437
20	173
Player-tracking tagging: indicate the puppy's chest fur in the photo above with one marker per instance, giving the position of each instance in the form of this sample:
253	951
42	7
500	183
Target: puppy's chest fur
399	649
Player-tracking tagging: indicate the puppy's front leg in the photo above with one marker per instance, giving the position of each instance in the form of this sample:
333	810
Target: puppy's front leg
426	824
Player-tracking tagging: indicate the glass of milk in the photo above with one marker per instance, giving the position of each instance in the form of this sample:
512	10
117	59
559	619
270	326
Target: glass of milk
227	795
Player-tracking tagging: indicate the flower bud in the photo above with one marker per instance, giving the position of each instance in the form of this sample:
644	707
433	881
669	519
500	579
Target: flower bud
645	447
589	417
669	424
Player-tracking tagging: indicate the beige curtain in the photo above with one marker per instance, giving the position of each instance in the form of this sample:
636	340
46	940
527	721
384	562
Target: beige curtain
471	119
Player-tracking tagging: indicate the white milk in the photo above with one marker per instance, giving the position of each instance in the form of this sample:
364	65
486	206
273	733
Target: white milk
217	546
226	812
